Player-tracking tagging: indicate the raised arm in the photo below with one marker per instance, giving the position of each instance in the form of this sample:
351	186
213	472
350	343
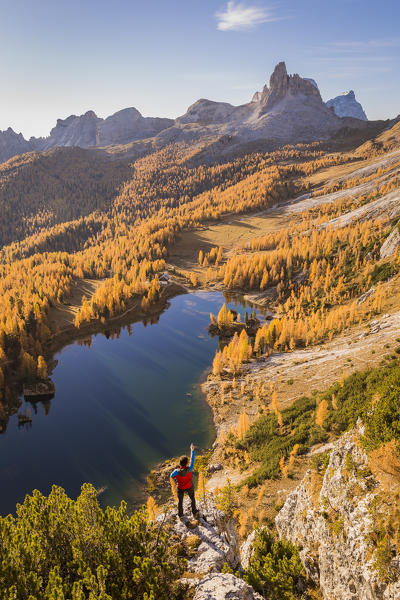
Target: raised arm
191	465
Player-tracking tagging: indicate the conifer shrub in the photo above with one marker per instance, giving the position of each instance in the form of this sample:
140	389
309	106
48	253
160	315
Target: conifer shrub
267	442
275	569
56	548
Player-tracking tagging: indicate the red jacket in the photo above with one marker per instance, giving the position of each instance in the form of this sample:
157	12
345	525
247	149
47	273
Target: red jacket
183	475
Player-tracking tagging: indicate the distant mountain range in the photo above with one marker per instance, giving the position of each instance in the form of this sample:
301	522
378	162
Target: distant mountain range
290	109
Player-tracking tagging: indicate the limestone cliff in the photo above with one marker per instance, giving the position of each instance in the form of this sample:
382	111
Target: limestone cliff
289	109
339	519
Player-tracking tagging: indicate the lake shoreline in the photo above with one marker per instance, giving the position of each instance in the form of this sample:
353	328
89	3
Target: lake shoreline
131	315
70	334
126	402
79	388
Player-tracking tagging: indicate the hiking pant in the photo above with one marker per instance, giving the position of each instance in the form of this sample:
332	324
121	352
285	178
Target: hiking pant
190	493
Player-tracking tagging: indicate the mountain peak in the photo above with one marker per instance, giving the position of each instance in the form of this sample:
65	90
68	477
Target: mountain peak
346	105
281	85
91	114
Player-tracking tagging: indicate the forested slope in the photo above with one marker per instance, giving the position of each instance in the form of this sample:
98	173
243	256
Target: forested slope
72	214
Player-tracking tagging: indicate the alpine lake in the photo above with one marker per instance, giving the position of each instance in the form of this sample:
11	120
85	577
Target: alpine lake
124	401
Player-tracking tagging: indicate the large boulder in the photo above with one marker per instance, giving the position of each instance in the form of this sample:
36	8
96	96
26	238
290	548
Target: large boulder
224	586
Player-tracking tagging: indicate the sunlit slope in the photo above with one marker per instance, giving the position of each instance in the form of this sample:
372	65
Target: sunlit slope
76	216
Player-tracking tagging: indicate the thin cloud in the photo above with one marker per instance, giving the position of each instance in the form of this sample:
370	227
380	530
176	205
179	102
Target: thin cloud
369	44
240	17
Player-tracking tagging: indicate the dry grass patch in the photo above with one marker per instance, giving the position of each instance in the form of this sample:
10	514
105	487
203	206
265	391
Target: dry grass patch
63	315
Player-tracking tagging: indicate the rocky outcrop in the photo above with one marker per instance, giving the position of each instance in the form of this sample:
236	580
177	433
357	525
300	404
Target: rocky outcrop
312	81
224	586
390	245
210	542
346	105
212	538
127	125
282	85
79	131
289	109
12	143
246	549
89	130
331	517
207	112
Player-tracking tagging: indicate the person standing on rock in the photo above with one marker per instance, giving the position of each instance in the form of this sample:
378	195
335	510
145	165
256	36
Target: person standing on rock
183	477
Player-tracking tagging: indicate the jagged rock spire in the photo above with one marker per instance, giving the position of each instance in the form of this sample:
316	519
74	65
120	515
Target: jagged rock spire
281	84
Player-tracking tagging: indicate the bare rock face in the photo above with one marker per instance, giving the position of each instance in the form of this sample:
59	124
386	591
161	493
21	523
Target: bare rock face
390	245
346	105
75	130
224	586
281	85
88	130
207	112
312	81
246	549
127	125
331	518
217	541
12	143
289	110
212	542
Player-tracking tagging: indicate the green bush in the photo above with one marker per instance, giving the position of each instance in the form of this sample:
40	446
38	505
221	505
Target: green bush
382	421
266	443
275	569
319	462
382	272
56	548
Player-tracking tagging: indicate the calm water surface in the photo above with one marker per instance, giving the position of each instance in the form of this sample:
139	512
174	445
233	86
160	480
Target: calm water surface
121	405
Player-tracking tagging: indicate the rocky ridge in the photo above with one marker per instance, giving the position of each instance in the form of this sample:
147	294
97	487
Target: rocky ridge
289	109
331	517
89	130
12	143
209	542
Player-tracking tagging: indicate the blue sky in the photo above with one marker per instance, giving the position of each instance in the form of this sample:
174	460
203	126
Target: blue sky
65	57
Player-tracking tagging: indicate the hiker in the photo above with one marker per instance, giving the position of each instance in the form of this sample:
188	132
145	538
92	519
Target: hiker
183	477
